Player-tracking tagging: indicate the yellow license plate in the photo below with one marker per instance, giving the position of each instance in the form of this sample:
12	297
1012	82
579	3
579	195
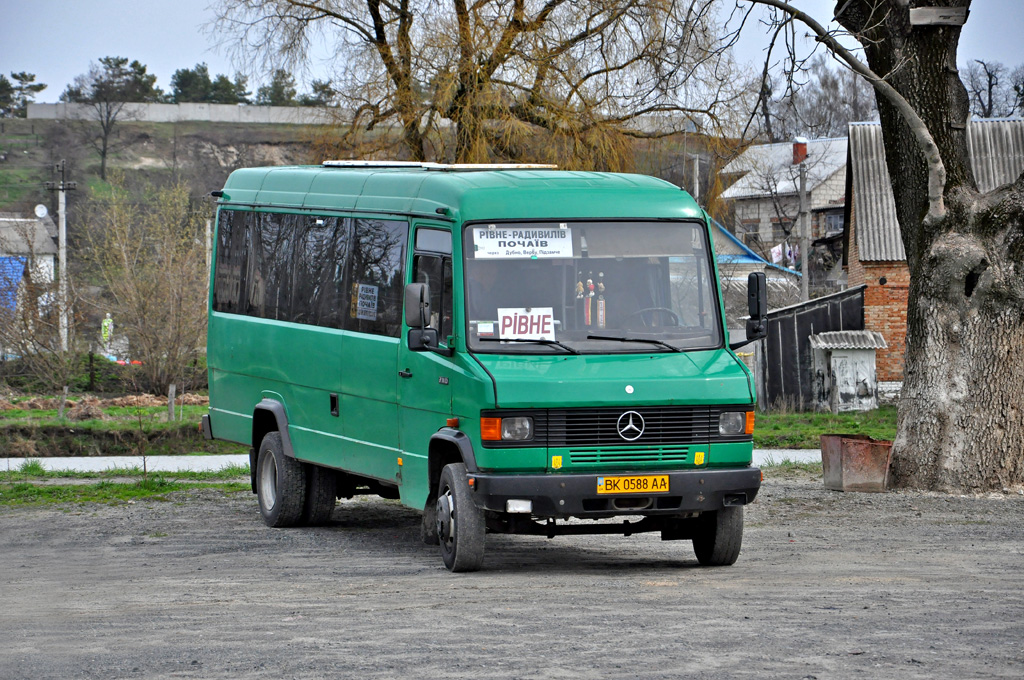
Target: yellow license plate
633	484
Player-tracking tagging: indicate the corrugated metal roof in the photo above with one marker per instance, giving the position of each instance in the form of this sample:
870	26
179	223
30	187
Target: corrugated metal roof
874	209
848	340
768	168
996	148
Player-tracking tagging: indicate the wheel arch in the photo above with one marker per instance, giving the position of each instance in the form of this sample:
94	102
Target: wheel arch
269	416
448	445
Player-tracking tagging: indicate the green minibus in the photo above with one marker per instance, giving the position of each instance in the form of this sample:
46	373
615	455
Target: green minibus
510	349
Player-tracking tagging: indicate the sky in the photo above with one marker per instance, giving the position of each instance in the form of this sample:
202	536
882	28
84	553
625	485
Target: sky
58	39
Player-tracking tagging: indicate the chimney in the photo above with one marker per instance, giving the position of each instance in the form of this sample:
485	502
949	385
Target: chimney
799	150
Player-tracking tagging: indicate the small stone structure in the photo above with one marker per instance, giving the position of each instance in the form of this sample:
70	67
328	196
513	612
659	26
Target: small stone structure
844	370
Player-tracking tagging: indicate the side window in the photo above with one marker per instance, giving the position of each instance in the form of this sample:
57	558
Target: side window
270	282
321	253
436	272
283	267
232	263
377	276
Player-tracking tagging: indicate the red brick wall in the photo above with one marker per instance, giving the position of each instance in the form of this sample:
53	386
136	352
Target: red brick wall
885	305
885	311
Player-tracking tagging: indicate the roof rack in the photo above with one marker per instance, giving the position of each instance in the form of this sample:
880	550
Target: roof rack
438	166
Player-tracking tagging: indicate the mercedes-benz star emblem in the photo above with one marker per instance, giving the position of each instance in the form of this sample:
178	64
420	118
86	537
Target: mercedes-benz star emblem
630	426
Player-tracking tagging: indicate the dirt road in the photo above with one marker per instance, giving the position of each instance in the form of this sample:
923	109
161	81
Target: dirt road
828	586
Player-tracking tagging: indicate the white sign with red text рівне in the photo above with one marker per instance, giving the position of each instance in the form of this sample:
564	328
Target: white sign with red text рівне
526	323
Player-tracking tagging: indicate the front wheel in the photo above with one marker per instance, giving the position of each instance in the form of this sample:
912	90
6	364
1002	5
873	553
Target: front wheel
719	537
460	523
280	484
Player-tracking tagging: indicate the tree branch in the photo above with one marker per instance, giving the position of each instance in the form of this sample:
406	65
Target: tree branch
936	169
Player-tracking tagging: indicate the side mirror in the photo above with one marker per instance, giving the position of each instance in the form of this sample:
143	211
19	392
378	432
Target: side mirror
417	305
422	339
757	306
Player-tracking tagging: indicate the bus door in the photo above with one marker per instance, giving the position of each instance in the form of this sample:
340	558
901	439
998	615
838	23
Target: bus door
424	392
369	399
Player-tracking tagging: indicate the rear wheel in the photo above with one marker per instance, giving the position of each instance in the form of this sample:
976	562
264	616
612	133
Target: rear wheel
460	523
321	495
280	484
719	537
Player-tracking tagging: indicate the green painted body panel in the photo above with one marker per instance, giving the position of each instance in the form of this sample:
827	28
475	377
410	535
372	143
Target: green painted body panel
691	378
730	455
369	402
385	417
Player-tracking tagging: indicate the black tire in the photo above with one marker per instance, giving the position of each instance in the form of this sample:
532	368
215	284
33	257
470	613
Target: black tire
321	495
719	537
280	484
460	523
428	527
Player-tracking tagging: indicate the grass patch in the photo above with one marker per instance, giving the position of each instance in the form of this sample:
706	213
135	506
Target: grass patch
790	469
803	430
31	467
32	470
126	431
108	493
120	418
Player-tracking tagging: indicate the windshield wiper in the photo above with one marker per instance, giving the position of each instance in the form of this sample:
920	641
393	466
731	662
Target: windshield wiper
539	341
650	341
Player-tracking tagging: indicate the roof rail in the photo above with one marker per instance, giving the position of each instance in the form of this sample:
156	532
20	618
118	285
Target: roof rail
438	166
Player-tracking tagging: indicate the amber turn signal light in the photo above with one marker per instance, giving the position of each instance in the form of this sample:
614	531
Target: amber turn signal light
490	429
749	429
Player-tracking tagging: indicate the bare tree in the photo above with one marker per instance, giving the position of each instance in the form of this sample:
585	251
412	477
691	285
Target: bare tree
572	80
29	314
993	90
146	246
821	101
960	424
105	90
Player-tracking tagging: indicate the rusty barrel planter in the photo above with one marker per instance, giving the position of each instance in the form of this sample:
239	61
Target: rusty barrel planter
855	462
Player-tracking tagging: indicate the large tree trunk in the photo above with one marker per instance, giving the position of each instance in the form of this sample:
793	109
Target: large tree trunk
961	423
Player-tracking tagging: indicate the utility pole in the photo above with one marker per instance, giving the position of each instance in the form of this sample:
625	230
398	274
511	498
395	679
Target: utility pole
62	247
799	159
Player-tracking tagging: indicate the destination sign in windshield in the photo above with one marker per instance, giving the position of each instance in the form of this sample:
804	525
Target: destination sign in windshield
495	242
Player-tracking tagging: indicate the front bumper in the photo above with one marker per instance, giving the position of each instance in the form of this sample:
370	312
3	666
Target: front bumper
575	495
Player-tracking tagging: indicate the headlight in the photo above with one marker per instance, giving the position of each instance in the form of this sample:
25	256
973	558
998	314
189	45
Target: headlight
732	423
516	429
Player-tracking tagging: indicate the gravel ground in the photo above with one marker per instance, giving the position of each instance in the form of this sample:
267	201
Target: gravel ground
829	585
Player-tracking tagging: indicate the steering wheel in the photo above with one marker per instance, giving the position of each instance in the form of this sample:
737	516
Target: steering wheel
672	316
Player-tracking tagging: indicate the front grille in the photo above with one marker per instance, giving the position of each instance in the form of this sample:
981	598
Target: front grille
663	426
594	431
628	455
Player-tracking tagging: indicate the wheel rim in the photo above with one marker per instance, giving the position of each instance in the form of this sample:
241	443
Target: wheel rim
268	482
445	520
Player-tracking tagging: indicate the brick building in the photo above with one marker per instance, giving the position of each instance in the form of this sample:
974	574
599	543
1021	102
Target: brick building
873	248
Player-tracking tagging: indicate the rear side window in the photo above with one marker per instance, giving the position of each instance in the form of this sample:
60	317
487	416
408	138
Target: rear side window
326	271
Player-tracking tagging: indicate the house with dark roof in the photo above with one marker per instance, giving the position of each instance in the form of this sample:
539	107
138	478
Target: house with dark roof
27	250
873	247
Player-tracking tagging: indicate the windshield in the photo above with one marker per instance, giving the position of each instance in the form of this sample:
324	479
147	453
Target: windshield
566	287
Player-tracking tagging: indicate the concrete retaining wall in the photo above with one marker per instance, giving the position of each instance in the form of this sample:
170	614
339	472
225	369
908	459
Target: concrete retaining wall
172	113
